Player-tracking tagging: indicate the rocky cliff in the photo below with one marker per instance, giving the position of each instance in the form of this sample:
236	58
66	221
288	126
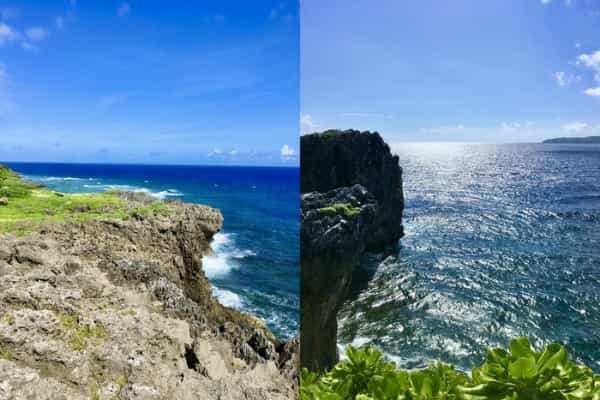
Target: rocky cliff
352	201
119	308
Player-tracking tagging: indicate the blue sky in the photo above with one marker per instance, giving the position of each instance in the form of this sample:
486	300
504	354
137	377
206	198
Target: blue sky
461	70
211	82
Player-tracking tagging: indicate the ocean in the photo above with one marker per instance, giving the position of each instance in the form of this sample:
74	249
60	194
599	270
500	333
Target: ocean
256	264
501	241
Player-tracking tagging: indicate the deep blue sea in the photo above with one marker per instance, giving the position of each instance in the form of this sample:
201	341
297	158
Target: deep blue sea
256	263
501	241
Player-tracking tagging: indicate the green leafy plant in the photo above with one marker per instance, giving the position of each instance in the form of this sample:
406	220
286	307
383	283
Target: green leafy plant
521	373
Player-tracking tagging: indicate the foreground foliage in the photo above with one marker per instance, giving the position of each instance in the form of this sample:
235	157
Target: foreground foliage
24	206
520	373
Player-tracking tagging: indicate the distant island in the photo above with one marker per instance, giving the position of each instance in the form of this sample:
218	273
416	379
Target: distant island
579	140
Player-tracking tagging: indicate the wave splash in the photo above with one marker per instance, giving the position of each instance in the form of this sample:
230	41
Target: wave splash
225	252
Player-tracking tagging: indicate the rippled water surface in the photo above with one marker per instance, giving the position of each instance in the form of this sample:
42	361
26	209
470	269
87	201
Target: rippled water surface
501	240
255	266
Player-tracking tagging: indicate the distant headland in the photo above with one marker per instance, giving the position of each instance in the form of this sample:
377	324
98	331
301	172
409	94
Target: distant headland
579	140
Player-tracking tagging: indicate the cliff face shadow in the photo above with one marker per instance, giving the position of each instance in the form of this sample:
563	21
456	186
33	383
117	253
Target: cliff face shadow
367	268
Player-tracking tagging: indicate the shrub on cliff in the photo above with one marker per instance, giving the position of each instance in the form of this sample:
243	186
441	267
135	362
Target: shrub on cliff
520	373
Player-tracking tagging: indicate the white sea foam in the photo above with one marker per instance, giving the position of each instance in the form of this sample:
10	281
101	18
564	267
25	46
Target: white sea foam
222	261
52	178
160	195
228	298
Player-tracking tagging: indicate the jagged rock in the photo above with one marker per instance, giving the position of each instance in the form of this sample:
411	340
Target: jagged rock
112	309
335	159
352	201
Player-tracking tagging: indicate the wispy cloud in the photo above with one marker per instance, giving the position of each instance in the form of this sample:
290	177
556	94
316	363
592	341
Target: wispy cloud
307	124
60	22
565	79
545	1
123	10
288	153
36	33
113	98
7	34
575	126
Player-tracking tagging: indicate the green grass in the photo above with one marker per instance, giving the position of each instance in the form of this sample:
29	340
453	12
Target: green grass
346	209
519	373
29	205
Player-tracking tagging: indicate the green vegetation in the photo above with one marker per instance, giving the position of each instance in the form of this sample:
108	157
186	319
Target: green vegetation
346	209
79	335
5	354
330	133
24	205
518	374
94	393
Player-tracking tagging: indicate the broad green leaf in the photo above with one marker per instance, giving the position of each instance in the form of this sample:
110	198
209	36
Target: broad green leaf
523	368
520	347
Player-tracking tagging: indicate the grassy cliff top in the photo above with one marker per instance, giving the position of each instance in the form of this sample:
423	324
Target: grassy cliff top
25	206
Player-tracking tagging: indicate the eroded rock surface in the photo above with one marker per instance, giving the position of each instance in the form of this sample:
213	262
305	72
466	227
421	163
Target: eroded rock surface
352	202
121	309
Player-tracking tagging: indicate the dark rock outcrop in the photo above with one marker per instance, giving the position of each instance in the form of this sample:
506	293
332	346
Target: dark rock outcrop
352	201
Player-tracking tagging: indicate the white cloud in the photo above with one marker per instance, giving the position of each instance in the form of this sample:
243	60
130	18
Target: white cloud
60	22
576	126
564	79
591	60
307	124
545	1
594	92
36	33
288	153
7	34
216	152
123	10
